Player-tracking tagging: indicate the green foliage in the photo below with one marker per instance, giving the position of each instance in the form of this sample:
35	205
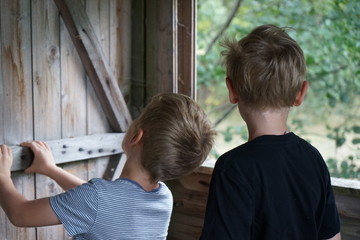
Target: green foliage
346	169
328	32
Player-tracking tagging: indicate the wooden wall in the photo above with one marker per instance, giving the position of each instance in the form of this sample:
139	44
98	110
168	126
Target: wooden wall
163	49
44	90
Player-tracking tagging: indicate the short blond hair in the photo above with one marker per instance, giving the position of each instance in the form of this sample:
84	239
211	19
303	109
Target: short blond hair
177	136
267	67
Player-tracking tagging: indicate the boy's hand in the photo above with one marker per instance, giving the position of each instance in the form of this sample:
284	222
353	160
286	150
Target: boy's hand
6	159
43	158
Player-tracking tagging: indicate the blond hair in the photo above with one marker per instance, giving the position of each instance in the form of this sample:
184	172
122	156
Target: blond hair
177	136
267	67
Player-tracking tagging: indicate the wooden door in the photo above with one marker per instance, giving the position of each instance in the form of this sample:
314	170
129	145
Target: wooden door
46	94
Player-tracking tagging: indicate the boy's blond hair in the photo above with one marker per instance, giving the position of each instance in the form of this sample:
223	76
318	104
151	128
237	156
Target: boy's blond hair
266	68
177	136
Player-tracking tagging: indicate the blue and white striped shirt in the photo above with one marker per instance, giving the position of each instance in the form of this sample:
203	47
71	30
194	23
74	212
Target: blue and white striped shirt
119	209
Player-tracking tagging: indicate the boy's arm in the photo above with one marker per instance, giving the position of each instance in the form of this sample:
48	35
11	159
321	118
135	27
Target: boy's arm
20	211
44	164
336	237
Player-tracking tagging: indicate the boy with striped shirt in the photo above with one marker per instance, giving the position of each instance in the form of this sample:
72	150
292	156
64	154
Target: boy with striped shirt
170	139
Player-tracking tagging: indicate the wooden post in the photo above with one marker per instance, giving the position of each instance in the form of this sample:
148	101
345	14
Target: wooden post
186	27
161	47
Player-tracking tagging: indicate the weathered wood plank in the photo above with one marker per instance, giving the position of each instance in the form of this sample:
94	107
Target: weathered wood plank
347	196
119	167
73	99
120	41
98	13
95	63
119	60
346	186
73	149
190	197
16	101
137	98
186	27
161	47
47	94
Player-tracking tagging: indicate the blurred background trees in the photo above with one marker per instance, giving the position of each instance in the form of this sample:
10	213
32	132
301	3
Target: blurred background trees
329	33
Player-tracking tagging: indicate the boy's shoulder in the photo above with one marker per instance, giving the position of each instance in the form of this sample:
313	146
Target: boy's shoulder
265	150
126	185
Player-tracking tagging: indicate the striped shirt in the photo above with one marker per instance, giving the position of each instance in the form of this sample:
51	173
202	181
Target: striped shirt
119	209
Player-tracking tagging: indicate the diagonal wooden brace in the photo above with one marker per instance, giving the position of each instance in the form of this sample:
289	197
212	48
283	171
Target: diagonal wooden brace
100	74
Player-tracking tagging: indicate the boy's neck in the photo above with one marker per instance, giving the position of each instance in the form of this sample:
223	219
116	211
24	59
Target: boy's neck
138	174
268	122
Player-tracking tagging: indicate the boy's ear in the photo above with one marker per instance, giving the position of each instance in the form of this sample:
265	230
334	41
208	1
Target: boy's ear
233	97
301	94
137	137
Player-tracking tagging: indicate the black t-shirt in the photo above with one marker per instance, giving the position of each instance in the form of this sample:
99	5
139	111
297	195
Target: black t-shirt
273	187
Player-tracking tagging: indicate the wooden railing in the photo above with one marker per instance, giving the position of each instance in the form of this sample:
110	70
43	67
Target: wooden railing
347	196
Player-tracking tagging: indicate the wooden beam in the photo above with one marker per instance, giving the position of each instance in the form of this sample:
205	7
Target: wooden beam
72	149
95	64
186	28
161	47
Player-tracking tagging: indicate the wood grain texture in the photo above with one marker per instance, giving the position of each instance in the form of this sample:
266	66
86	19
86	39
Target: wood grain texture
73	149
347	196
47	94
94	61
98	13
16	97
73	100
190	197
120	44
186	28
161	47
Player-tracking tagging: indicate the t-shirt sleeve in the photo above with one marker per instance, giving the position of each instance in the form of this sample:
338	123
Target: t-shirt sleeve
228	202
76	208
330	224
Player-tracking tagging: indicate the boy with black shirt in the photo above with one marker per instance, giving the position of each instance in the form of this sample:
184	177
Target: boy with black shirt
275	186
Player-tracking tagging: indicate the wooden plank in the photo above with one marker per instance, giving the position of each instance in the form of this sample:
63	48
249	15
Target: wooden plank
347	196
161	47
16	100
98	13
120	44
190	196
47	94
119	167
95	63
73	100
120	61
138	94
186	28
73	149
346	186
